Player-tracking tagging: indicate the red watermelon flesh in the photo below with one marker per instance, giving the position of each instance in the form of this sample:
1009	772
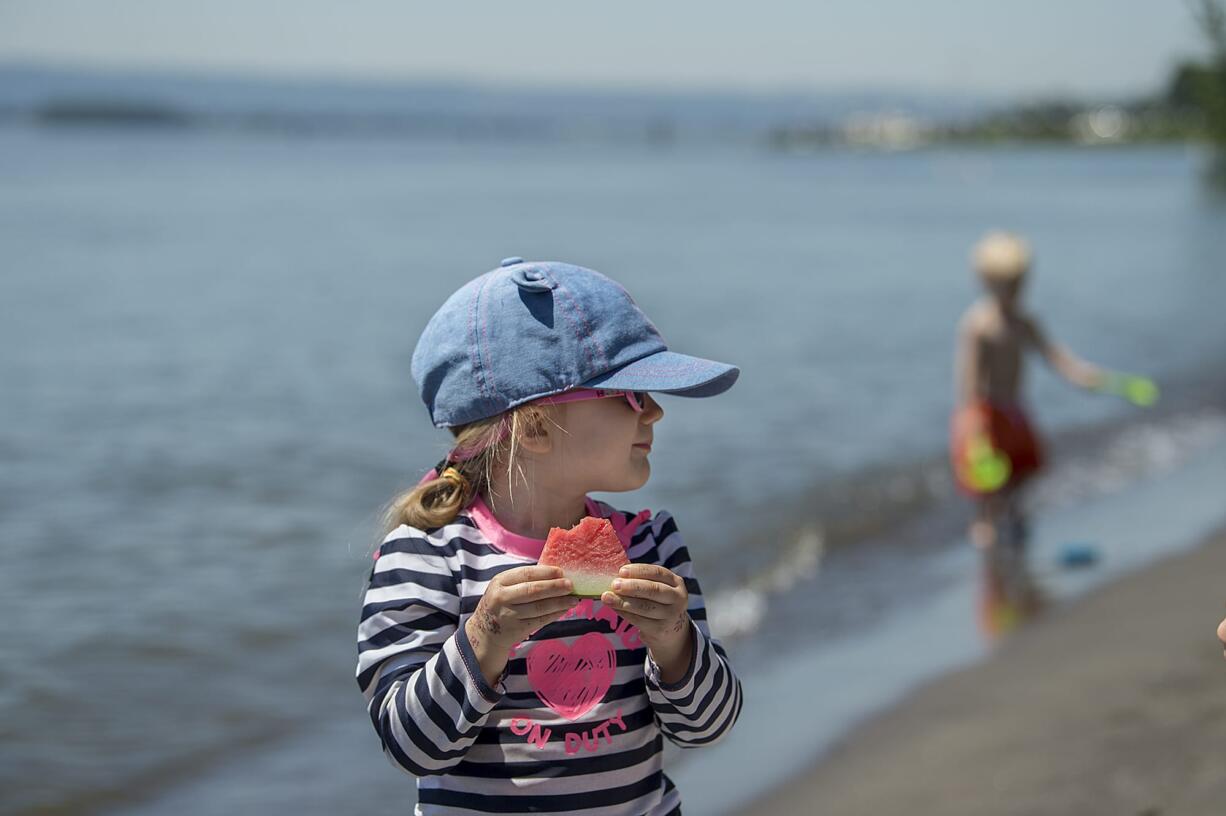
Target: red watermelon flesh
590	555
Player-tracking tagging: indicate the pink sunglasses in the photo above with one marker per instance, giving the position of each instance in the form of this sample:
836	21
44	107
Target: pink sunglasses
637	399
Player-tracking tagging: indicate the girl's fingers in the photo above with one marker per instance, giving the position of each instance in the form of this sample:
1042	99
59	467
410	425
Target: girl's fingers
638	606
521	575
648	590
537	590
649	627
546	606
637	620
650	572
534	624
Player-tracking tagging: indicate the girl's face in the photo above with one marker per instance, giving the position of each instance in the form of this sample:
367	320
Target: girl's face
603	444
1221	634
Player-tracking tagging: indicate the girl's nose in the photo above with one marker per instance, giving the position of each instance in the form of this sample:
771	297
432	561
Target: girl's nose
652	412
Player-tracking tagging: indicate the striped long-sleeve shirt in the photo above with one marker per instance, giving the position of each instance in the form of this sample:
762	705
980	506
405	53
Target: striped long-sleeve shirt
575	725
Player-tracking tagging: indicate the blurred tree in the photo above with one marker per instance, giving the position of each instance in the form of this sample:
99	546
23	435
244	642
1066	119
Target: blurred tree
1212	18
1203	87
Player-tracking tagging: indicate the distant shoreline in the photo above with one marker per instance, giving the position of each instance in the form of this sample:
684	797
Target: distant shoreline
797	121
883	132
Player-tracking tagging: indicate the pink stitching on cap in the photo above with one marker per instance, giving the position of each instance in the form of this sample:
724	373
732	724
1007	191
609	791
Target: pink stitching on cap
570	318
604	355
487	372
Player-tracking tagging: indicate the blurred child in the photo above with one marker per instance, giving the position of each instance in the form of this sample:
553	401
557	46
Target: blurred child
993	446
1221	635
484	677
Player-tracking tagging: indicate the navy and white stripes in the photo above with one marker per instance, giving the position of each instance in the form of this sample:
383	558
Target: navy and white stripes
578	729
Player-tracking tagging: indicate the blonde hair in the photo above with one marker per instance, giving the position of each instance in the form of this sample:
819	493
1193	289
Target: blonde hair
1001	256
478	447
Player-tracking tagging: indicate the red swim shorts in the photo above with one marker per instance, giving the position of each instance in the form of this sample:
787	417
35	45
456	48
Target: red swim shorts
1007	429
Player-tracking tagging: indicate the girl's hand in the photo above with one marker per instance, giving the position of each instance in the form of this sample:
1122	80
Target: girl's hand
519	601
654	599
515	604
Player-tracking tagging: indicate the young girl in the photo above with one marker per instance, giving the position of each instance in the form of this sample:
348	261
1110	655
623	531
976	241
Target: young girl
484	677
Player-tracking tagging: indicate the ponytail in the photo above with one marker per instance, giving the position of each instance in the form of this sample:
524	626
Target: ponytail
432	503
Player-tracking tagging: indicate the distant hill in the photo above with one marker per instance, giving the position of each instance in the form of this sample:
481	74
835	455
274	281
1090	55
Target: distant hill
66	96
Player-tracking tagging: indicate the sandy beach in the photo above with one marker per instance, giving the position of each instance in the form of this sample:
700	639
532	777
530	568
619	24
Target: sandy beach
1114	704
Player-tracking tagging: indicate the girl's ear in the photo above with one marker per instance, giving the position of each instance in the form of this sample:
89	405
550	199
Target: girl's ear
534	435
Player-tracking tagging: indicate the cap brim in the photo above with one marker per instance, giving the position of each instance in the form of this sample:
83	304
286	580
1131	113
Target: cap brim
668	372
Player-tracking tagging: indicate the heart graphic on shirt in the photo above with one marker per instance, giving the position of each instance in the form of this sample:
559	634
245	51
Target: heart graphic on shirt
572	679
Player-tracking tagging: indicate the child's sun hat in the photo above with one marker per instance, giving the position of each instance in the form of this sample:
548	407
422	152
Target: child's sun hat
1001	256
528	330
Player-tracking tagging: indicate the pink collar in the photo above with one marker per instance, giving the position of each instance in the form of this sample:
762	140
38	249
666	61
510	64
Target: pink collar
530	548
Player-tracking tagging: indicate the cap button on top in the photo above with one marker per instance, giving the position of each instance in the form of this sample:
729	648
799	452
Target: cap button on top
511	261
532	279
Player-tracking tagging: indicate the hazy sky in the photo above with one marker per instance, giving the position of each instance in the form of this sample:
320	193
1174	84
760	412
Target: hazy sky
1021	46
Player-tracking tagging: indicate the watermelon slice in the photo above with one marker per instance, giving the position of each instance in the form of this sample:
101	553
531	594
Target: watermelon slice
590	554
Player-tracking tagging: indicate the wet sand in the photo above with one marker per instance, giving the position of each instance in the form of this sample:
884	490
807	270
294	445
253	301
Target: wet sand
1115	704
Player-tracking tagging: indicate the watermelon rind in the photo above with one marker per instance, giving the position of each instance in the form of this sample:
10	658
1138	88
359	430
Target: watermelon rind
589	584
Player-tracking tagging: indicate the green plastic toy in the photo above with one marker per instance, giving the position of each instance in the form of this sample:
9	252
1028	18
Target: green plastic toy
1140	391
988	469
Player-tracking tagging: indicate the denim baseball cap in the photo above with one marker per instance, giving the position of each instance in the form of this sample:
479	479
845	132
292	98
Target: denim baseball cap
528	330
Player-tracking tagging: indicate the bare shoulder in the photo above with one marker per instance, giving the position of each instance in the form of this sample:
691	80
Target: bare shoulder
975	320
